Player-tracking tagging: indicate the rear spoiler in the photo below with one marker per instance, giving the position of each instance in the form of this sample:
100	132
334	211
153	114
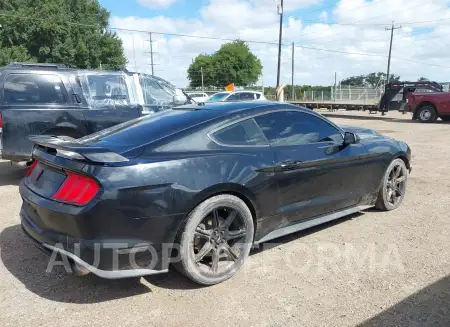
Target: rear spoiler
68	147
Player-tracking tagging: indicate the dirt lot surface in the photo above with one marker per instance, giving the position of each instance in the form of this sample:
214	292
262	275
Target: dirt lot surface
372	269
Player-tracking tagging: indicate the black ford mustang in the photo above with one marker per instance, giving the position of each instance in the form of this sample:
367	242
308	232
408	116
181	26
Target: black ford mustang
199	184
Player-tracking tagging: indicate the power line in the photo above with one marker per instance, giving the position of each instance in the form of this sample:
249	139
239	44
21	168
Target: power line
224	39
326	36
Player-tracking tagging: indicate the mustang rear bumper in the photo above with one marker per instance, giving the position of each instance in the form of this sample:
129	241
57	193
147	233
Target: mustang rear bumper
106	262
99	238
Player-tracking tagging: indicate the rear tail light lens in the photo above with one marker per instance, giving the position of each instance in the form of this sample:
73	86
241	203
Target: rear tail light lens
77	189
1	121
30	170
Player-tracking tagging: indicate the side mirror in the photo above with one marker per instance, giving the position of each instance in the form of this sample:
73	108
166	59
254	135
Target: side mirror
179	100
350	138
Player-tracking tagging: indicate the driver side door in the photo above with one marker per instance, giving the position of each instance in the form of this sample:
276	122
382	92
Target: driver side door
316	173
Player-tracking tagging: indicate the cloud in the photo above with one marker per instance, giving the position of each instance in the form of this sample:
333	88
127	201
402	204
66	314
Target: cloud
323	17
360	30
157	4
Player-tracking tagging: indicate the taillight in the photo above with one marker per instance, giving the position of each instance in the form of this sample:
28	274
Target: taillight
77	189
30	170
1	121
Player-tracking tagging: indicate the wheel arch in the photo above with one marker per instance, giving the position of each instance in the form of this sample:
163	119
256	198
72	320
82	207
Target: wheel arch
237	190
405	159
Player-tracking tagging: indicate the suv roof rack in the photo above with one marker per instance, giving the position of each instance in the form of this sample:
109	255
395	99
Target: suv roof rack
34	64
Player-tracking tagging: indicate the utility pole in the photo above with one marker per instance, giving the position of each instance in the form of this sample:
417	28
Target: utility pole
280	12
390	49
384	107
151	54
203	88
293	89
335	87
134	52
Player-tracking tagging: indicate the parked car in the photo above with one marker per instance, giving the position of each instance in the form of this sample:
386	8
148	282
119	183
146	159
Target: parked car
427	107
47	99
237	96
210	180
198	96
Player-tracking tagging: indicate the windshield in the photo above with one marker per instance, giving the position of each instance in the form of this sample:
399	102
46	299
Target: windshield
217	97
154	91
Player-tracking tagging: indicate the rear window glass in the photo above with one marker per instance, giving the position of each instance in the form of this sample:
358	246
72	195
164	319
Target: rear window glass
106	90
149	128
34	89
242	133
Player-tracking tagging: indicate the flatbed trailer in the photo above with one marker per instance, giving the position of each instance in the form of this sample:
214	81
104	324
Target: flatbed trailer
384	105
333	106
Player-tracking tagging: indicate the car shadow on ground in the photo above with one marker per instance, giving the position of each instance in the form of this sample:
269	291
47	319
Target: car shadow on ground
428	307
27	263
11	173
22	258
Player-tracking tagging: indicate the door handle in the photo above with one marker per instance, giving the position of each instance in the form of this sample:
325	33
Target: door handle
289	163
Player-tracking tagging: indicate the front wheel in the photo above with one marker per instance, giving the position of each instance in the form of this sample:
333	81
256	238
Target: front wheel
427	114
216	240
393	186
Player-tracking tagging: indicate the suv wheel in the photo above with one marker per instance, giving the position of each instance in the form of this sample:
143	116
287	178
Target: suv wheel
216	240
427	114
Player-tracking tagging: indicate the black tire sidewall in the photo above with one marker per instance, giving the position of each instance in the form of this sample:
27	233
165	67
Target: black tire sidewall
187	260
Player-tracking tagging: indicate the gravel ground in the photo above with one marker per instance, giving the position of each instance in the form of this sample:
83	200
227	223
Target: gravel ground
372	269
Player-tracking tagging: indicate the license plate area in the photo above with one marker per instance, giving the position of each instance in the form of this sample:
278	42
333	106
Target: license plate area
45	180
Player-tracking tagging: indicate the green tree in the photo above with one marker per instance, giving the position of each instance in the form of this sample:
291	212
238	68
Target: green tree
354	81
369	80
203	63
423	79
232	63
72	32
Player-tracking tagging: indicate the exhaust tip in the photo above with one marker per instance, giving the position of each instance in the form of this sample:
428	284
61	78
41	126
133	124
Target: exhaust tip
78	270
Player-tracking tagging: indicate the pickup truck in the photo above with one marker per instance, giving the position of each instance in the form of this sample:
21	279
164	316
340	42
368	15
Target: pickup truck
47	99
428	107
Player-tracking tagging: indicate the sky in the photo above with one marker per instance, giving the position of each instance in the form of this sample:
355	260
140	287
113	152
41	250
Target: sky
342	37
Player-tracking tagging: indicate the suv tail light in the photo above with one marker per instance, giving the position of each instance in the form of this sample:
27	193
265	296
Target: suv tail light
1	122
77	189
30	170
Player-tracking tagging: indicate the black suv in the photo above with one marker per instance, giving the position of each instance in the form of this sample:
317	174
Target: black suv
49	99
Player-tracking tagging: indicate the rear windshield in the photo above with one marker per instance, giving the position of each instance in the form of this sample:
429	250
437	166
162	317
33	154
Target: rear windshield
137	132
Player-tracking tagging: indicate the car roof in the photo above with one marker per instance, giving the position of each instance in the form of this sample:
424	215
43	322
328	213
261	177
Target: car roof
223	109
247	91
227	106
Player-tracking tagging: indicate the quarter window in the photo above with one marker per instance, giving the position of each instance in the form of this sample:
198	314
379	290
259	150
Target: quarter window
34	88
296	128
243	133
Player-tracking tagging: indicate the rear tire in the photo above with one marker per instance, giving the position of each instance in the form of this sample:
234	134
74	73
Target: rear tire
427	114
393	186
220	227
